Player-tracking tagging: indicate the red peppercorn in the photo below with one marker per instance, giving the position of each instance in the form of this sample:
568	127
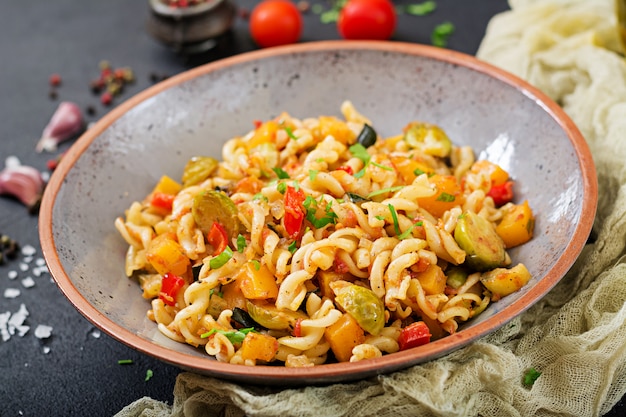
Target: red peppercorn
106	98
55	80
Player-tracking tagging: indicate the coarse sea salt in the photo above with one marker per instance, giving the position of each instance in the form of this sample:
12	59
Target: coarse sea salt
28	282
15	324
12	293
29	250
12	274
42	331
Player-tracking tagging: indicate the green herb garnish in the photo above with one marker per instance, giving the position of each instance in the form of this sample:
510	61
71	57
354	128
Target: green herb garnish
394	216
290	133
313	174
281	173
421	9
256	264
125	362
149	374
385	190
531	376
292	247
281	187
234	336
221	259
241	243
441	33
446	197
408	231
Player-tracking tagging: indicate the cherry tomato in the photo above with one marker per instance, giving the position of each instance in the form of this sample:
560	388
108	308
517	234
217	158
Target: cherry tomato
367	19
275	22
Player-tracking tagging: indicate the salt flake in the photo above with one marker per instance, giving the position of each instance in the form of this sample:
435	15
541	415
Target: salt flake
12	293
42	331
12	274
29	250
28	282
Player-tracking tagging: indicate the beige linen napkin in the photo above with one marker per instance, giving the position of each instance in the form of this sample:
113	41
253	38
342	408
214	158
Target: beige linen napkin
575	336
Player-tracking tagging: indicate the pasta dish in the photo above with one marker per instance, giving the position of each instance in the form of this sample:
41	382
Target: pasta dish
316	240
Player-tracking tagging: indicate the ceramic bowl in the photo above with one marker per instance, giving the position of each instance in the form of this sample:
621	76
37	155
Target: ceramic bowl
120	158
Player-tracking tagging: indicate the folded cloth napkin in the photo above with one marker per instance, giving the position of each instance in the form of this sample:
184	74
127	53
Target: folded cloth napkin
576	335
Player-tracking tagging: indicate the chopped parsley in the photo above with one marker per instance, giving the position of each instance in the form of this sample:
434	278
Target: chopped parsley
446	197
394	216
125	362
259	196
281	173
234	336
311	206
313	174
441	33
385	190
256	264
221	259
281	187
408	231
290	133
531	376
292	247
149	374
420	9
241	243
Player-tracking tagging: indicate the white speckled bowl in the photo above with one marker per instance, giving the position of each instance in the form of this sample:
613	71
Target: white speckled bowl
118	161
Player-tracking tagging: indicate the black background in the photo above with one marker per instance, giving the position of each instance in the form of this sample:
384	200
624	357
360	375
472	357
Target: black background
75	371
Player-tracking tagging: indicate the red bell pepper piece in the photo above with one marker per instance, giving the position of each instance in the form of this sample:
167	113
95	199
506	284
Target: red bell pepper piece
218	238
294	211
415	334
297	328
162	200
502	193
346	168
170	285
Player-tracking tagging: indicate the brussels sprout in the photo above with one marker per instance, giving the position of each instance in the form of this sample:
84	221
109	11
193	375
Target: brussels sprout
198	169
478	238
212	206
429	138
362	304
272	318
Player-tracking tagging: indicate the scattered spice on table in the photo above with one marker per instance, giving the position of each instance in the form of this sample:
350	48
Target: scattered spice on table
111	81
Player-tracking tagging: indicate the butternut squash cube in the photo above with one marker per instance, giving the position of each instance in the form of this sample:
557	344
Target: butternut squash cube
343	336
257	282
258	346
166	255
432	280
517	225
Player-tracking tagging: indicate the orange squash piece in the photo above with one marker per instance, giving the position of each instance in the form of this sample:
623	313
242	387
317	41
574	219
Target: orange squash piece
343	336
517	225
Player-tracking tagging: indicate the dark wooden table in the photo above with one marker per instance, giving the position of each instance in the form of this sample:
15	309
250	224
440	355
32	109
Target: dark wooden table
75	371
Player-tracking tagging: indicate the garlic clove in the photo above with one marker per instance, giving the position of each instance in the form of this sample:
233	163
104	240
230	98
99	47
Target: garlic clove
66	122
23	182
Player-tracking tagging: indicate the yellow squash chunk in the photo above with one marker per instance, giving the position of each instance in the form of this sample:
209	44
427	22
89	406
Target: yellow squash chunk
266	133
330	125
448	195
432	280
502	281
258	346
343	336
409	169
257	282
517	225
167	185
497	175
231	293
166	255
